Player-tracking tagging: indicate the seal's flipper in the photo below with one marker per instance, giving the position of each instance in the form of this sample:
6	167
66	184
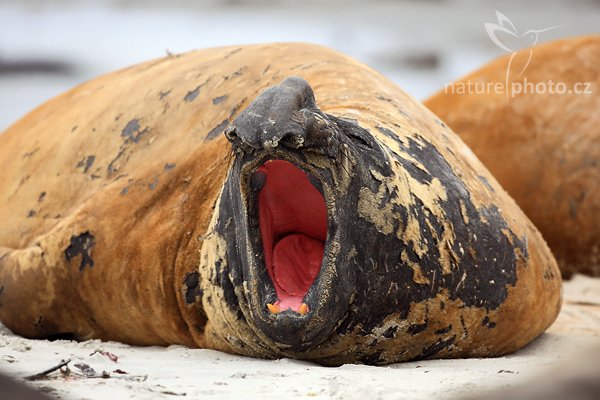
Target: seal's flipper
34	301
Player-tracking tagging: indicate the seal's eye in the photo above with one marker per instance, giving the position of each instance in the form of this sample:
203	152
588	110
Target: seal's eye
293	228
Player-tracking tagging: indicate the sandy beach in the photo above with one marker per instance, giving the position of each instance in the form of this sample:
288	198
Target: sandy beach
101	370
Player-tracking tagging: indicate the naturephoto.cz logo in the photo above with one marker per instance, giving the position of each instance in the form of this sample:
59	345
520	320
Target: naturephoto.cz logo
505	35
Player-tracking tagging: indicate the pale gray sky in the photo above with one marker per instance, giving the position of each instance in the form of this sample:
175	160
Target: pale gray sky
48	46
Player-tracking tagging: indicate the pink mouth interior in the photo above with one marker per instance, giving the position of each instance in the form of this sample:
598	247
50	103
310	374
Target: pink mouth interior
293	227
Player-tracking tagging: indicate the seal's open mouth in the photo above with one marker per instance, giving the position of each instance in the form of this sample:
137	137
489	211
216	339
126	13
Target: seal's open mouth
293	228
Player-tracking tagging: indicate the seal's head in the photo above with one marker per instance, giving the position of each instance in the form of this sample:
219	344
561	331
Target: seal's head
326	244
288	215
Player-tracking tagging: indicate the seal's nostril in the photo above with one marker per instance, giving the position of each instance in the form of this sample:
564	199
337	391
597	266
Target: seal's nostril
231	134
293	140
236	139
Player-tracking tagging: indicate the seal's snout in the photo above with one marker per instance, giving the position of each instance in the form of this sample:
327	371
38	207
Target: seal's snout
286	245
284	116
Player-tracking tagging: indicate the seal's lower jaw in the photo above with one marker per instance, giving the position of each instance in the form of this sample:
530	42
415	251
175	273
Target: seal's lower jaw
293	229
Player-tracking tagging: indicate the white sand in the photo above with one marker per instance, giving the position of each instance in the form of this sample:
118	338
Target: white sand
156	372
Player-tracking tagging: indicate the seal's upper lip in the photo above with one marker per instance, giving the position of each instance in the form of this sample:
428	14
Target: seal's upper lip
293	228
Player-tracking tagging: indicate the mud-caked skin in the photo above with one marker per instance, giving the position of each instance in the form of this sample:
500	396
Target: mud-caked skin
543	145
143	225
425	237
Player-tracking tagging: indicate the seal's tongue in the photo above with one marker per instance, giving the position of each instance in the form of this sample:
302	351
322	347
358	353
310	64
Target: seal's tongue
293	227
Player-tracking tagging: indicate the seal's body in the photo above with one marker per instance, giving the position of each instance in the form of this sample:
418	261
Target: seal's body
344	225
540	137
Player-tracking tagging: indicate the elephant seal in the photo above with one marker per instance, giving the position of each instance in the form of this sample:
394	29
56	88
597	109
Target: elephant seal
212	199
542	141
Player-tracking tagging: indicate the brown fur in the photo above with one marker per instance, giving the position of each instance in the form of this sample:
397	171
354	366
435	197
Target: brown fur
543	148
149	221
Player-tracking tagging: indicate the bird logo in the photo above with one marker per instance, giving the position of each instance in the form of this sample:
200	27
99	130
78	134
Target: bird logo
506	30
